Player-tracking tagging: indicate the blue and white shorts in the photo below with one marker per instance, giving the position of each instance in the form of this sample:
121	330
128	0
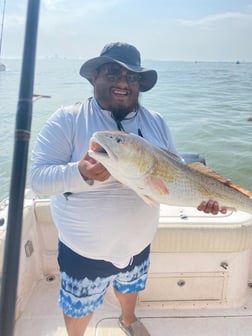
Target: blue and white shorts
84	281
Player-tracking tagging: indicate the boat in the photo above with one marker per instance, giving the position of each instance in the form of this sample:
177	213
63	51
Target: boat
200	280
2	65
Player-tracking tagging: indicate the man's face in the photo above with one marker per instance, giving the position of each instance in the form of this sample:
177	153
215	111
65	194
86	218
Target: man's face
116	89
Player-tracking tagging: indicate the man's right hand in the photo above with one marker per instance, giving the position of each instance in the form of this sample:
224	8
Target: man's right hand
92	170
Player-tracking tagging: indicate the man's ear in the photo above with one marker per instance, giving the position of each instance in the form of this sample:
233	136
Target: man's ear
94	76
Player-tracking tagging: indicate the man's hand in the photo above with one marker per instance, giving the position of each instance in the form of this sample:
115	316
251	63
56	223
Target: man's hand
90	169
211	207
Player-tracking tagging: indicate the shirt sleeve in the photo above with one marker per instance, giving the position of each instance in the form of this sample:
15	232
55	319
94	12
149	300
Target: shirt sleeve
52	170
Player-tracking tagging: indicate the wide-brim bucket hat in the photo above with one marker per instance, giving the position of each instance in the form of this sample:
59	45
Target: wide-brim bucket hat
127	56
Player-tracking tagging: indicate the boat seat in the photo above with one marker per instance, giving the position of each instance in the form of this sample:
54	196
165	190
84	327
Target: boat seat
193	157
188	230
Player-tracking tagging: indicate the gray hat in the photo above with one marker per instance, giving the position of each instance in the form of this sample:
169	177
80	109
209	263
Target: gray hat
127	56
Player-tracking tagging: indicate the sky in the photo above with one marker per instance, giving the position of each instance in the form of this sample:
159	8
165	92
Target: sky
186	30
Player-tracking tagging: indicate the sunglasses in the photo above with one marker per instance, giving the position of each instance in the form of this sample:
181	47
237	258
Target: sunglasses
131	78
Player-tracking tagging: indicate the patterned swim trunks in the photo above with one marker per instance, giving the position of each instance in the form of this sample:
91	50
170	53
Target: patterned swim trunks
84	281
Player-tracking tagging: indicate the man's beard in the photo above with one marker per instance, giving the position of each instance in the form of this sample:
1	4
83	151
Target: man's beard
120	114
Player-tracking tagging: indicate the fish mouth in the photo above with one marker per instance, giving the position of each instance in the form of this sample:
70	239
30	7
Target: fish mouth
99	150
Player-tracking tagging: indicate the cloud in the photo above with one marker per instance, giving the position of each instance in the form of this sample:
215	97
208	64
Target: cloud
80	28
51	4
64	16
80	8
212	21
223	36
73	30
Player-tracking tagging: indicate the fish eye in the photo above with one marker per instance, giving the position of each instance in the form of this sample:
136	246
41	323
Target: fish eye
119	140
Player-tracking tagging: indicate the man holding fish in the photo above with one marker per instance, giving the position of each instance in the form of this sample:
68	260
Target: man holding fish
105	228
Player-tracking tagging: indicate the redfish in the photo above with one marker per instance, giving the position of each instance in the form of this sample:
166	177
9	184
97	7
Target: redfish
159	176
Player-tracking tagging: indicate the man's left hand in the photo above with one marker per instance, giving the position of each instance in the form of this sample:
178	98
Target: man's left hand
211	207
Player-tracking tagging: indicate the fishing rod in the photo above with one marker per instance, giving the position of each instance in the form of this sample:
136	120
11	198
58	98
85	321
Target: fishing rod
18	177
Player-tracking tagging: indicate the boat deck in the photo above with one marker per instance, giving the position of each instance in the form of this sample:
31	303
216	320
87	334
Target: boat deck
43	317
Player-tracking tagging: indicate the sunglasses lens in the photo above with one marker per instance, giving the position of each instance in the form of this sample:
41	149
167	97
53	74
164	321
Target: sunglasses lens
133	77
113	77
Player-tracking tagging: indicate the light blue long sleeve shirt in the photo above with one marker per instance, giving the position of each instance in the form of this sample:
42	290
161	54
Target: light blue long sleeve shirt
107	220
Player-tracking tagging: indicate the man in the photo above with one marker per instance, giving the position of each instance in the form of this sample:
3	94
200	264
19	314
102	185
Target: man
105	229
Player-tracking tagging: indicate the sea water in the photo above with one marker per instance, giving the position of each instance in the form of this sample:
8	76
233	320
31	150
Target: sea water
207	105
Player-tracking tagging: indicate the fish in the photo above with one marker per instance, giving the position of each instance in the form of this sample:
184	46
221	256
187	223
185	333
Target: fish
159	176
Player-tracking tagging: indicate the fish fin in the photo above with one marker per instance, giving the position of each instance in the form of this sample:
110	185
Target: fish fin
158	185
241	189
172	155
210	172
